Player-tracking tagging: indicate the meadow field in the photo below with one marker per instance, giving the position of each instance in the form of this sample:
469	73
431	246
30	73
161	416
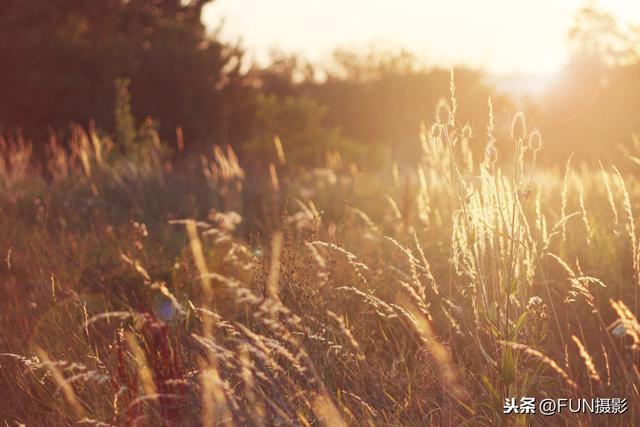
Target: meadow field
168	290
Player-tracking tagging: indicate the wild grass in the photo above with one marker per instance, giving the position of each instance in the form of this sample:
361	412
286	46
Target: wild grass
191	292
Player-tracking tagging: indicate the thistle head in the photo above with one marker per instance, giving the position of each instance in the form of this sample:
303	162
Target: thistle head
467	131
518	126
535	141
443	112
436	130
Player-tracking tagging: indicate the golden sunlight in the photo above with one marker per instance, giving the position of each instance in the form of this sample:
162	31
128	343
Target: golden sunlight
320	213
502	36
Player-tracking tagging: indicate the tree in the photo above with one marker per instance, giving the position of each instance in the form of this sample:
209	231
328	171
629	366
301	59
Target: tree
598	36
594	102
61	59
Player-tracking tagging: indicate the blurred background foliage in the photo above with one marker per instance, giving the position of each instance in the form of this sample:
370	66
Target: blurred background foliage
62	59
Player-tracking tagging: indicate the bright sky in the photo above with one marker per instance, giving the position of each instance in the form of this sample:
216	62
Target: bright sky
503	36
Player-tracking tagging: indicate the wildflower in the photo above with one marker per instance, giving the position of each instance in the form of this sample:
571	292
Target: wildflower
537	308
534	301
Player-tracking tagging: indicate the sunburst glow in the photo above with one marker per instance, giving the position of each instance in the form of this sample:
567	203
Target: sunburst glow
499	35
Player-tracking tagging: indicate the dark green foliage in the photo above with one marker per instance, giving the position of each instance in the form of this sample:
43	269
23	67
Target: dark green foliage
61	58
300	123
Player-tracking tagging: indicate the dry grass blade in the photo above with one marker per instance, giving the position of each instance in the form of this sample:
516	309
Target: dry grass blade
588	361
544	359
65	386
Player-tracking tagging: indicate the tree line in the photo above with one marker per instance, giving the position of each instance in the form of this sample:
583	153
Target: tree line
63	59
